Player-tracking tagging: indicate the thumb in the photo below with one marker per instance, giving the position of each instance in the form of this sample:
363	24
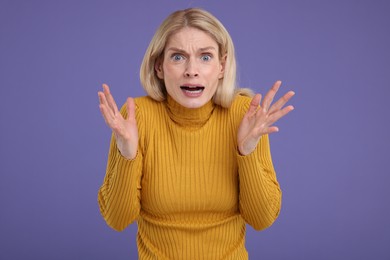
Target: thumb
254	104
130	108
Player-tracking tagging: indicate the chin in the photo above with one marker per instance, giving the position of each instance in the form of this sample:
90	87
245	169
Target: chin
194	103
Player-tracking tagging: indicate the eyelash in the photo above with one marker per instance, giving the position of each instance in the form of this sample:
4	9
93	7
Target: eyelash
207	55
177	55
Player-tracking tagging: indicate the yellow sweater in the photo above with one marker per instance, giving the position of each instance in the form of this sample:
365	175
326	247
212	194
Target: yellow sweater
188	188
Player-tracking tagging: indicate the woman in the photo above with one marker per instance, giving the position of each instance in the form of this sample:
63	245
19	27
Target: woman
191	162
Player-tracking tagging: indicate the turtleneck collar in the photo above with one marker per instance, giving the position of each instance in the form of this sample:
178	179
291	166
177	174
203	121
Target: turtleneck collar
189	117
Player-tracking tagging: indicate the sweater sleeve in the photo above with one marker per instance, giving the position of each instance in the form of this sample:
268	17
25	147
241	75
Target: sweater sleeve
120	194
260	194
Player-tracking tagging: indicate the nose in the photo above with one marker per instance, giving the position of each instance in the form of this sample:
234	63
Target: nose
191	70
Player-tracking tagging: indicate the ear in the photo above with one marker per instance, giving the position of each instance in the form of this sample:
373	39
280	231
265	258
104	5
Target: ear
159	69
222	66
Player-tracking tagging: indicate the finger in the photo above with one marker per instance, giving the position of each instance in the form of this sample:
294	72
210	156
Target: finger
281	102
102	98
269	97
106	115
266	130
104	103
279	114
272	129
110	100
254	105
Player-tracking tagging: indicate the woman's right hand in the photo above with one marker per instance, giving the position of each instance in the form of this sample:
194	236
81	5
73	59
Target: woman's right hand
124	129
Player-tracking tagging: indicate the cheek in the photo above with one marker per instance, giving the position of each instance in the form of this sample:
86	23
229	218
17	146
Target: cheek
171	71
214	74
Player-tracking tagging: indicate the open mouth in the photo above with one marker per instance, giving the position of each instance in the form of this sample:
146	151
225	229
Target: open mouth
192	89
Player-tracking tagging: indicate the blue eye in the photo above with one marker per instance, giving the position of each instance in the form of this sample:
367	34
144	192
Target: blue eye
177	57
206	57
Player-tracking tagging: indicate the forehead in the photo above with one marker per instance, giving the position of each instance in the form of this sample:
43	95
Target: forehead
190	37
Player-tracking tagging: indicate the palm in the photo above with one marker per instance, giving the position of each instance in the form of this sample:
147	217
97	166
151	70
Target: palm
124	129
259	118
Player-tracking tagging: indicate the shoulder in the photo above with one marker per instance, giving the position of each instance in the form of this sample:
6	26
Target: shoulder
143	105
149	110
146	102
237	109
240	104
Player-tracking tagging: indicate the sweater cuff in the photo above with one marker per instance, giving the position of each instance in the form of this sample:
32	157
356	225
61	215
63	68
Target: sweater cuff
131	166
120	157
261	154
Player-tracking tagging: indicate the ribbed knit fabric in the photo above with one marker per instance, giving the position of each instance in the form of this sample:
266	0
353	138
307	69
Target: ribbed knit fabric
188	188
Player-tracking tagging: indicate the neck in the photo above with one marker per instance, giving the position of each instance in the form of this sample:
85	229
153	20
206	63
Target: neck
189	117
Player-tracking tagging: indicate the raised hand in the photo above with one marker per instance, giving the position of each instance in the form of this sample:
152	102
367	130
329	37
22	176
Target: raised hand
125	129
259	118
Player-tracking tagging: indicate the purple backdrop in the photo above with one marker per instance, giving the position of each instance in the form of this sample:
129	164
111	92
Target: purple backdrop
330	154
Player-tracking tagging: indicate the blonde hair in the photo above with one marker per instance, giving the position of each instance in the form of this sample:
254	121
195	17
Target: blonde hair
202	20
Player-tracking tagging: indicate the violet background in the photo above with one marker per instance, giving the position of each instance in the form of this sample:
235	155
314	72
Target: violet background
331	154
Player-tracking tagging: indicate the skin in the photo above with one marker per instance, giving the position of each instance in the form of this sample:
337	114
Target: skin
259	119
191	58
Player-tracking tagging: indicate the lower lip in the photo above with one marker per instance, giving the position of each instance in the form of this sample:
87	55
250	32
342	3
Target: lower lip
193	94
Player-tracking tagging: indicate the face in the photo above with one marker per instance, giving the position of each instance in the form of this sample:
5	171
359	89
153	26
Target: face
191	68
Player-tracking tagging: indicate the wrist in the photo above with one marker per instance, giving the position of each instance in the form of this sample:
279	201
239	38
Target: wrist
125	149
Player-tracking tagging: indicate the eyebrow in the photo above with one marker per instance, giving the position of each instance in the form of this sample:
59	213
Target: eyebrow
209	48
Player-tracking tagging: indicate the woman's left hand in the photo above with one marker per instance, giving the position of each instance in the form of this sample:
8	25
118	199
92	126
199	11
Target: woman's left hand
259	118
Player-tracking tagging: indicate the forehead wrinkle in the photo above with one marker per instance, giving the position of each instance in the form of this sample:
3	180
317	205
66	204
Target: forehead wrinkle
204	49
191	41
